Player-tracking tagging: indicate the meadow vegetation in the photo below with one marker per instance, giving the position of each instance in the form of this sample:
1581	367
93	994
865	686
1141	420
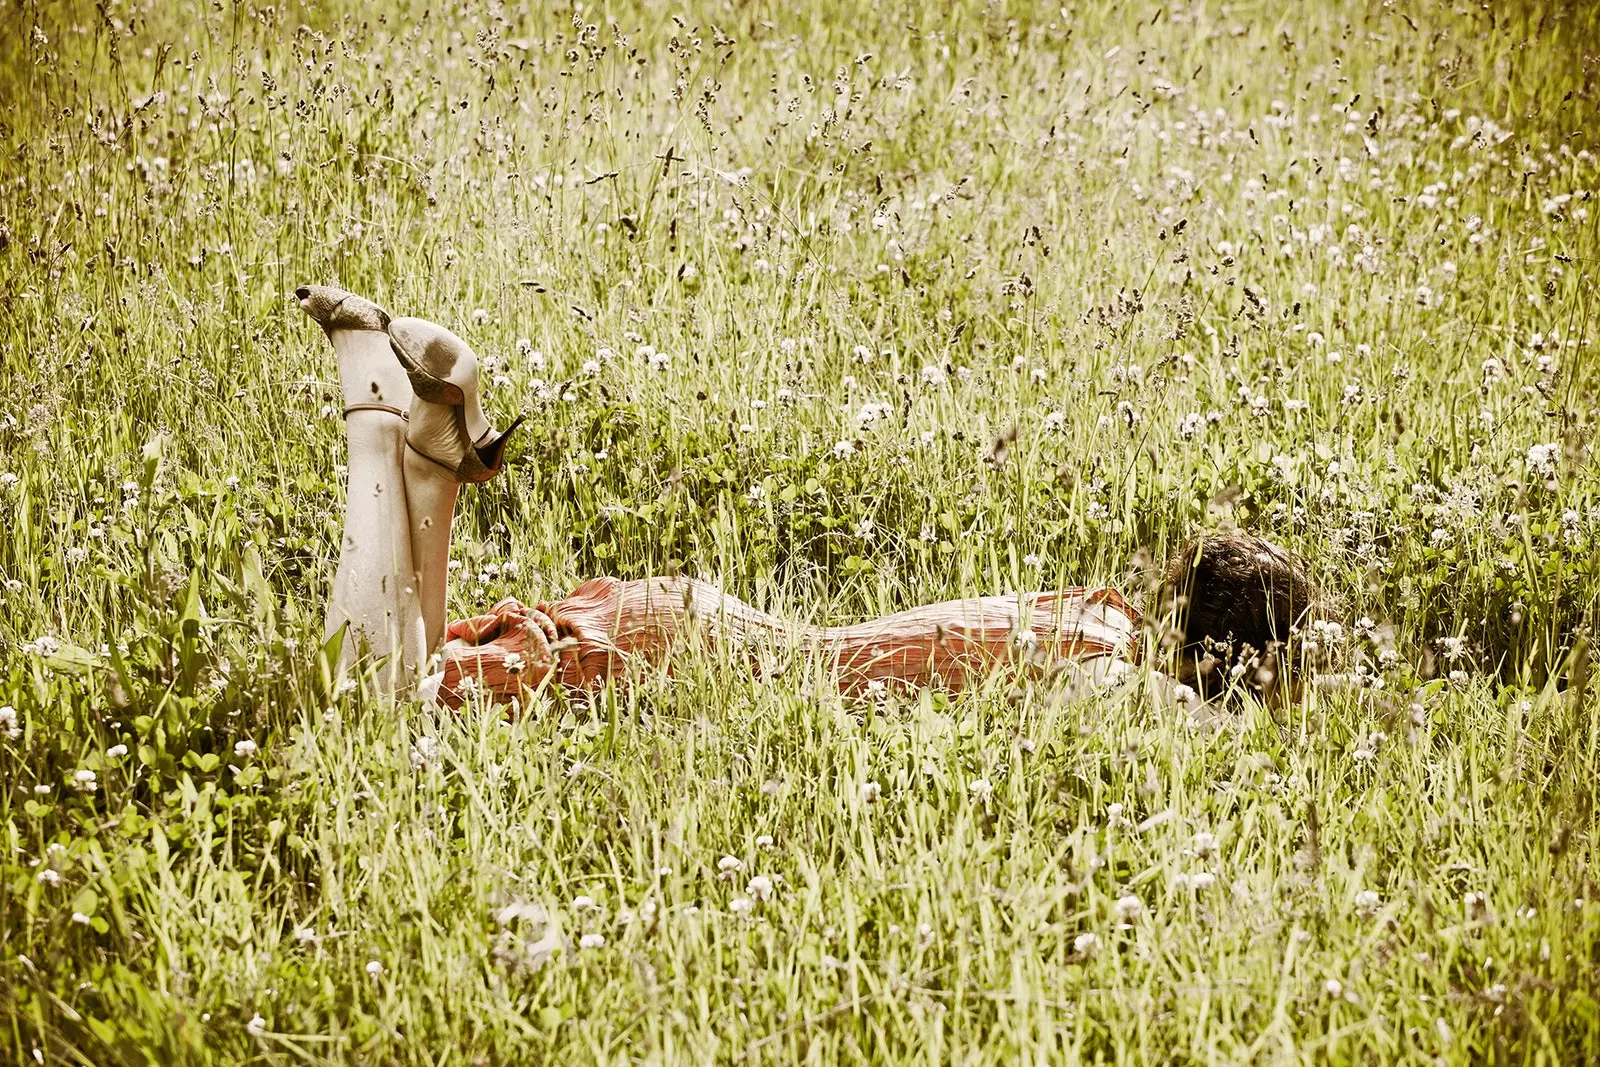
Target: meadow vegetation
848	307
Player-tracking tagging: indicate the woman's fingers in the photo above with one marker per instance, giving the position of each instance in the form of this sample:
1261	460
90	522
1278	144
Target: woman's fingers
515	662
476	630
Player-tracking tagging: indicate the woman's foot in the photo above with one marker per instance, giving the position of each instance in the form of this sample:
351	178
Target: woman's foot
448	425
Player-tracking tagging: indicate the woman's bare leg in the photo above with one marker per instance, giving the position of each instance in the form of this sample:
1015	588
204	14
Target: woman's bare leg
375	588
448	441
431	503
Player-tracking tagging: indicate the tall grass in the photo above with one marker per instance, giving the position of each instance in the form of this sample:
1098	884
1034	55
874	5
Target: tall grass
848	307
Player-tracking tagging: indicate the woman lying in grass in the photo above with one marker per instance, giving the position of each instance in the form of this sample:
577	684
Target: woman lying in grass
417	431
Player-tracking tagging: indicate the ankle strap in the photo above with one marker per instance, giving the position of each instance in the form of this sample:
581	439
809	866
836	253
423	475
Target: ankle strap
431	459
390	408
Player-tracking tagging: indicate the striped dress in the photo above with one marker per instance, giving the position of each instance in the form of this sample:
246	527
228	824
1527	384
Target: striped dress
607	627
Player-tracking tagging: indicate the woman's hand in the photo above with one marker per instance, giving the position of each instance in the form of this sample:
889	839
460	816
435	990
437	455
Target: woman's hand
508	652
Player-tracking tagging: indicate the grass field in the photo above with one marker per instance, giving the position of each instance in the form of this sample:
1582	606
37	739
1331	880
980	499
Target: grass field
848	307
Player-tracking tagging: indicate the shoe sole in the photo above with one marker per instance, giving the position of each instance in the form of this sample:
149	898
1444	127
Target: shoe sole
426	384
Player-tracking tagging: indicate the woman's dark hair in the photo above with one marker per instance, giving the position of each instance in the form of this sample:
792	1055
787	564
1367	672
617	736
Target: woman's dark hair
1235	600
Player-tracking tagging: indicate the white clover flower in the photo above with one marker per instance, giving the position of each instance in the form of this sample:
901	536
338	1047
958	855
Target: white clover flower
1542	460
1192	424
760	887
933	375
244	749
425	750
980	789
50	876
256	1026
116	751
1367	901
1085	944
729	864
870	792
740	905
1128	908
1200	881
1055	420
374	968
844	447
1334	988
583	903
84	782
8	722
592	941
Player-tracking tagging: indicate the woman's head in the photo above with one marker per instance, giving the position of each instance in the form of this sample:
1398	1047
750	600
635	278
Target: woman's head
1235	600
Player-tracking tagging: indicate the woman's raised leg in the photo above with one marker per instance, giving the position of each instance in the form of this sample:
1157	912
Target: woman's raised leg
375	588
448	441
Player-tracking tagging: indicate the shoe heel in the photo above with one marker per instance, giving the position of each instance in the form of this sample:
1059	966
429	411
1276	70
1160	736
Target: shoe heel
492	454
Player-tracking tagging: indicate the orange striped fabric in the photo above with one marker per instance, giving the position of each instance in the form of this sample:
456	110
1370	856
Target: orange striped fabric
607	626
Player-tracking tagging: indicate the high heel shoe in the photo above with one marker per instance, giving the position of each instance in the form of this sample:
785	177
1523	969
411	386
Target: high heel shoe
442	367
438	433
447	424
335	309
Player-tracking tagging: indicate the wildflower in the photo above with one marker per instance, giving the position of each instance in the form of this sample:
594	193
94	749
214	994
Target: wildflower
763	840
1085	944
424	750
244	749
1542	460
592	941
256	1026
740	905
870	792
1055	420
583	903
1191	425
729	864
514	663
980	789
479	316
760	887
932	375
8	722
116	751
844	448
1334	988
83	781
49	876
1367	901
374	968
1128	907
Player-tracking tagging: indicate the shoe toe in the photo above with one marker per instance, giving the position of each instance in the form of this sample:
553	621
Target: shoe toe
335	309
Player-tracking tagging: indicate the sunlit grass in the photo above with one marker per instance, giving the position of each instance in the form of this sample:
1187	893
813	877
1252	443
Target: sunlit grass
847	309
